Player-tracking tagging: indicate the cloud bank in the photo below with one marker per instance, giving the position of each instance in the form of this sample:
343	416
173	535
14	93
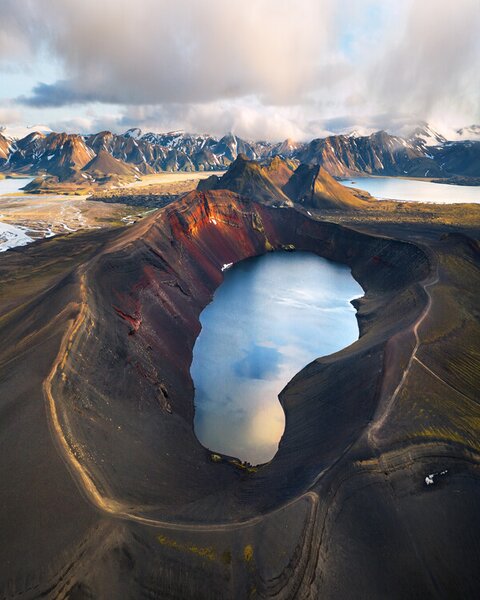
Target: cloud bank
268	68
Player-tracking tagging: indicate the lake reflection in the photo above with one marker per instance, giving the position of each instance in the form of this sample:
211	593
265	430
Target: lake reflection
270	317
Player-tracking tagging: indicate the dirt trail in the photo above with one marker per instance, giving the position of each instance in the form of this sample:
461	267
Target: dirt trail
440	379
379	422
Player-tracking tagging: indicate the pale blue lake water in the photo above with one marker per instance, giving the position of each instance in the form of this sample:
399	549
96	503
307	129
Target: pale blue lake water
12	186
270	317
394	188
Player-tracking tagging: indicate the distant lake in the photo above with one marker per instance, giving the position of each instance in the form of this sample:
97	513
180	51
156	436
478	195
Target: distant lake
12	186
11	234
270	317
394	188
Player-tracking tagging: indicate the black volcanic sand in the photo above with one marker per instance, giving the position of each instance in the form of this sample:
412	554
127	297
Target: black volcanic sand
106	493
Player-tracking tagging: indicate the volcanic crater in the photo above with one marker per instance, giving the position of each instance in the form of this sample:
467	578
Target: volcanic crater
105	325
121	391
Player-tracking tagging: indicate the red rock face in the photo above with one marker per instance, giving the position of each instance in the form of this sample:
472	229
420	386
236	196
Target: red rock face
135	321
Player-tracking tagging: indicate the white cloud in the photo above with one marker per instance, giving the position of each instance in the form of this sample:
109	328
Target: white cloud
246	117
432	67
268	68
157	51
9	115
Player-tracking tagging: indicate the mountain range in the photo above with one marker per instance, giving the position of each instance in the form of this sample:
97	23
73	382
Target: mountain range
88	158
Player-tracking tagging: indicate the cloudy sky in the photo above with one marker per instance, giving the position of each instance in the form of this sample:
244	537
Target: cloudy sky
260	68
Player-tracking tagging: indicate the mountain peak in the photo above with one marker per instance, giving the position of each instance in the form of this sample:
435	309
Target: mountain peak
241	158
134	132
104	163
424	134
313	187
252	179
280	181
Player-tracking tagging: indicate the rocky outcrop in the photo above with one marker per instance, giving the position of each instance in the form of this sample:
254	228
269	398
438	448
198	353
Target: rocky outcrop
103	164
253	179
459	158
281	182
377	154
5	149
58	154
312	187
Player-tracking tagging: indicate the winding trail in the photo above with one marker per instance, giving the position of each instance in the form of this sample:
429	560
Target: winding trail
442	380
87	484
378	423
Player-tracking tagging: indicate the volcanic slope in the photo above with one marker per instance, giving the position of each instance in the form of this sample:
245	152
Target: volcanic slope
104	164
107	493
284	182
253	179
313	187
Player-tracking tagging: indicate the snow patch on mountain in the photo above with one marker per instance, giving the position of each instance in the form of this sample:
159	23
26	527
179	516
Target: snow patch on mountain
134	133
425	135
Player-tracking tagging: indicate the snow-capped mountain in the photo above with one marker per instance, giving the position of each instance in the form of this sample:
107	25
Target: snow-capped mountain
424	135
287	148
178	140
356	131
377	154
58	154
424	152
134	133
